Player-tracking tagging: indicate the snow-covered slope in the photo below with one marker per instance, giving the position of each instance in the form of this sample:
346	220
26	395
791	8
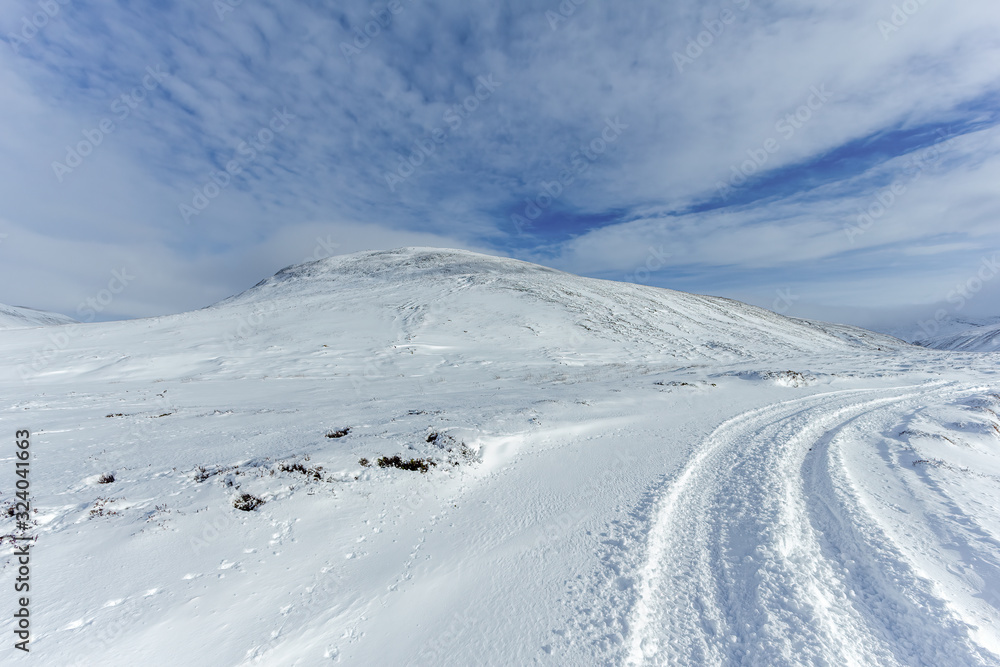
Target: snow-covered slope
984	338
17	317
429	457
416	310
458	299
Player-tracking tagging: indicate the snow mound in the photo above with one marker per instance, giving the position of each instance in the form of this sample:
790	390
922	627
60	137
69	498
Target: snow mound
18	317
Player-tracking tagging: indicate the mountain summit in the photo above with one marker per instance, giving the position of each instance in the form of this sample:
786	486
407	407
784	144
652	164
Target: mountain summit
457	300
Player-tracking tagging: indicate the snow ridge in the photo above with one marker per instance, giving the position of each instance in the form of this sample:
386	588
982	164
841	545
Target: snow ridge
975	339
19	317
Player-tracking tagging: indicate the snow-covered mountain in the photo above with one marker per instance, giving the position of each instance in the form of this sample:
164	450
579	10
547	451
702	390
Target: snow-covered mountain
434	457
420	309
973	338
17	317
458	299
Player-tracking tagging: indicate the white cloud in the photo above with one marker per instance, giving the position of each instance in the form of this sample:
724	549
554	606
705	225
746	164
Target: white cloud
356	118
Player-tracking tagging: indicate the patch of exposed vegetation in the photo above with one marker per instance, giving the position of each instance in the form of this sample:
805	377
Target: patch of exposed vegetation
106	478
203	474
314	473
157	510
416	465
101	507
456	452
780	378
247	502
340	433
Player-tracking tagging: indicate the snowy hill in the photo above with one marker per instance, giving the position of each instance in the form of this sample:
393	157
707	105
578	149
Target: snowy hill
433	457
416	310
17	317
455	300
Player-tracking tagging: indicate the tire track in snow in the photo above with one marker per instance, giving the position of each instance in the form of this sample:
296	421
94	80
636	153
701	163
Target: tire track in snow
745	566
886	575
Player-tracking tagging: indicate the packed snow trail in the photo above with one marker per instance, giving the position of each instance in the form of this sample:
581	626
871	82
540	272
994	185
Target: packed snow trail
762	552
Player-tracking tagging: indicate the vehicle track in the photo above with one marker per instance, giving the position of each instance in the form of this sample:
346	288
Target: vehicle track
760	554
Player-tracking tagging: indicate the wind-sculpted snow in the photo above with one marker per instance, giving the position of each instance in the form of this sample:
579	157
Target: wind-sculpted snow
430	457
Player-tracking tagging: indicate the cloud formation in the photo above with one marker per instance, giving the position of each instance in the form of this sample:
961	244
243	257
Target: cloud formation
845	150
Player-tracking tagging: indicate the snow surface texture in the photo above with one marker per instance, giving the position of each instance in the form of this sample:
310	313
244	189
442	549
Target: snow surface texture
17	317
614	475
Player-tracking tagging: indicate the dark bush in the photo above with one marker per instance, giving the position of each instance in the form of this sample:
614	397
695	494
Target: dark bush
421	465
338	434
247	502
106	478
315	473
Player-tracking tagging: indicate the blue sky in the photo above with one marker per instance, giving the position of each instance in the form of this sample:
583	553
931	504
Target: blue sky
730	147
